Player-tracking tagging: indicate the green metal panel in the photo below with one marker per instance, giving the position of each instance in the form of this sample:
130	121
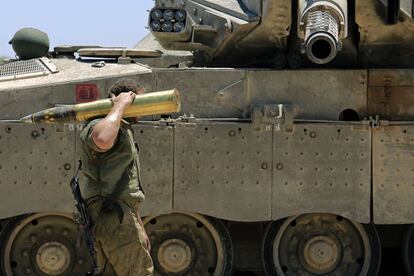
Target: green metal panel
393	174
156	161
207	93
322	168
37	170
223	170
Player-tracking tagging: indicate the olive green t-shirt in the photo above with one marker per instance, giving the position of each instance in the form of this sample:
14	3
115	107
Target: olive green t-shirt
103	170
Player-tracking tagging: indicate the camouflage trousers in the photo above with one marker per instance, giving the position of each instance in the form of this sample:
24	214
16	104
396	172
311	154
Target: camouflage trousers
119	241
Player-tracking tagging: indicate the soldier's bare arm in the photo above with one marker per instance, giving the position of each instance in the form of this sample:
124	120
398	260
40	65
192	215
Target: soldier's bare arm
105	132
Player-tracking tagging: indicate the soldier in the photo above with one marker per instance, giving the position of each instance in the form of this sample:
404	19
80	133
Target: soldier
112	190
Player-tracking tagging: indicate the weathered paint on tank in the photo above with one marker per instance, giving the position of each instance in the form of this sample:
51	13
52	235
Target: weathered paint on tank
266	167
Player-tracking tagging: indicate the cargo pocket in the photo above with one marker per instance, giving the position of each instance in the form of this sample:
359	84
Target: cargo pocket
113	207
109	223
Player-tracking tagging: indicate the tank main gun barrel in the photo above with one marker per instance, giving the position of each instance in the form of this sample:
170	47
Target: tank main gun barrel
322	27
163	102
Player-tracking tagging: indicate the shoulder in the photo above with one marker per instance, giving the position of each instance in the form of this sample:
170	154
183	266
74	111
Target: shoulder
86	136
87	129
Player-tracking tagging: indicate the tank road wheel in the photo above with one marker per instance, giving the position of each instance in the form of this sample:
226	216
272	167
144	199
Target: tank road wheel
45	244
189	244
408	251
320	244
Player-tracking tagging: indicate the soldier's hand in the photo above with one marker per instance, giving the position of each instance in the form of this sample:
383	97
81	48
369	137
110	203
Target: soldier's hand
124	99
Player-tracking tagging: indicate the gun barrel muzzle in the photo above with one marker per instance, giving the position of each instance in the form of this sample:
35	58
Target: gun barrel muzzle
321	37
323	26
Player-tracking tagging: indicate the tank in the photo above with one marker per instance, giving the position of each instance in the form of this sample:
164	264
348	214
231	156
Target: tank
292	153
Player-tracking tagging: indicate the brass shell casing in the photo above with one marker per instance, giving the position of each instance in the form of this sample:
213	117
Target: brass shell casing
163	102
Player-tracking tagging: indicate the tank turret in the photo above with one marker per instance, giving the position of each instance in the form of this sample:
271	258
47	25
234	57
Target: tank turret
284	33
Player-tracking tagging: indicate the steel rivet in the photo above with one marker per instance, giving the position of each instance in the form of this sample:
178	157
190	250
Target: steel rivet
279	166
312	134
264	165
67	166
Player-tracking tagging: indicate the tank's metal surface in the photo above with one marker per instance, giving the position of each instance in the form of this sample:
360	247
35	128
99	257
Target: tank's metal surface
322	161
38	170
393	186
241	151
157	149
294	140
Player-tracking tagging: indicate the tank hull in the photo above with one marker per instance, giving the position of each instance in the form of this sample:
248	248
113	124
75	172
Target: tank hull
256	147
